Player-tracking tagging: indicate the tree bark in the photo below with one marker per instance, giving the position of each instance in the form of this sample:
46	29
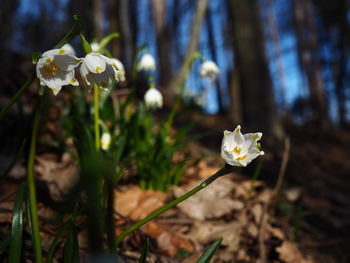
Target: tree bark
114	26
163	41
98	19
258	105
192	45
309	58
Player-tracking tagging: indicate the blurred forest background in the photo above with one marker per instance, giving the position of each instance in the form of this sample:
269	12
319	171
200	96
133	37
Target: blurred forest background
284	58
284	70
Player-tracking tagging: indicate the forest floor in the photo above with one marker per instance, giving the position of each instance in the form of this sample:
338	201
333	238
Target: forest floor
306	221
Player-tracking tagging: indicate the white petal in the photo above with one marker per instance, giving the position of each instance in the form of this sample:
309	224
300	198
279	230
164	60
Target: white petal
69	49
95	63
84	72
238	136
66	62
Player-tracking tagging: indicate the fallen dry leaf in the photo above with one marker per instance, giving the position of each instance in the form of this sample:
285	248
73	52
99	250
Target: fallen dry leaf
205	232
212	202
136	203
168	242
60	177
290	253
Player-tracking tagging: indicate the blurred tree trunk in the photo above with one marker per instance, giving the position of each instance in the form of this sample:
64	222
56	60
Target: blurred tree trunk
114	26
212	47
275	38
235	107
309	58
258	105
179	79
98	19
163	41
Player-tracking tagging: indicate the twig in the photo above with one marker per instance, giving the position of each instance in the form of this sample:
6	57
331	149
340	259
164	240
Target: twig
263	221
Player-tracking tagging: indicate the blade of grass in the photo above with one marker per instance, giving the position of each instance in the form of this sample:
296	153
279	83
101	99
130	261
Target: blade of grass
143	257
209	253
71	248
56	241
17	227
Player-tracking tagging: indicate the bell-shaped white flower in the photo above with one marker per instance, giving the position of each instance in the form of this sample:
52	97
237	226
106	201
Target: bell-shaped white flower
55	69
153	98
106	139
120	67
147	62
209	69
95	46
69	49
98	69
238	149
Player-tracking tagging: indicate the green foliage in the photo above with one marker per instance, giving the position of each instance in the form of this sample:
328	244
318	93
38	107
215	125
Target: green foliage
209	253
17	227
143	256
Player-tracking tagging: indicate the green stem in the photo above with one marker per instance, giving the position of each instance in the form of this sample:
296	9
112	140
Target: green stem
97	117
31	189
17	95
223	171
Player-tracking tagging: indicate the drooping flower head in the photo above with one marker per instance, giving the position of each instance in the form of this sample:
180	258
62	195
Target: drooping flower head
147	62
55	69
98	69
69	49
106	141
238	149
153	98
120	67
94	46
209	69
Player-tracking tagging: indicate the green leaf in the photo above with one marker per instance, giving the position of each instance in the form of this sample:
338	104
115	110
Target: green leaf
17	227
209	253
104	42
35	57
56	241
143	257
71	248
85	44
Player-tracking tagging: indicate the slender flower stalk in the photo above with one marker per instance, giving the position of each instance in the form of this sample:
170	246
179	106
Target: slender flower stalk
31	189
97	116
223	171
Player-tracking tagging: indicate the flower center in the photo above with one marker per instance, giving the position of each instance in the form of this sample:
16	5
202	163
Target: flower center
237	150
51	68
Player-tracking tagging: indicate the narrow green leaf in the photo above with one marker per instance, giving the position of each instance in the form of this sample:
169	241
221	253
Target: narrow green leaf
35	57
104	42
85	44
209	253
143	257
75	30
56	241
17	227
71	248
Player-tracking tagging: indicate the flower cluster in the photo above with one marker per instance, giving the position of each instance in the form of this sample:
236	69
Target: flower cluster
56	68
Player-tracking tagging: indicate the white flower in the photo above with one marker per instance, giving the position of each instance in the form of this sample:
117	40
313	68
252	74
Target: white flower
147	62
209	69
120	67
55	69
69	49
153	98
105	141
95	46
98	69
238	149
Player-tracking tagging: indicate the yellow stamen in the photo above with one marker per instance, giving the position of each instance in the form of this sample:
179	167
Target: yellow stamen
52	68
48	60
61	51
241	158
73	81
98	69
237	150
